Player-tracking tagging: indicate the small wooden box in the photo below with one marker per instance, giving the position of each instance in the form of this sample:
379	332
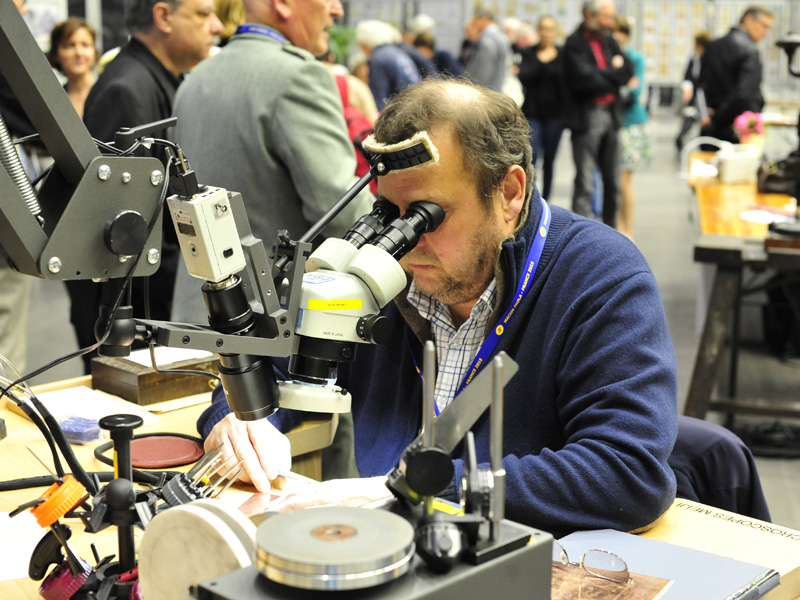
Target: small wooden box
142	385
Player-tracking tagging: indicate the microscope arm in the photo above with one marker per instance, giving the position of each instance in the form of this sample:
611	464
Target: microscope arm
85	192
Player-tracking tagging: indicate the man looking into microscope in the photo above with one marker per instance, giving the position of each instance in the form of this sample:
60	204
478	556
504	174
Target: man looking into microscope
591	416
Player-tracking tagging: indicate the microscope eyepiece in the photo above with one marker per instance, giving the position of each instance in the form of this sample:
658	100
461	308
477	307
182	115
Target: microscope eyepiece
371	224
402	234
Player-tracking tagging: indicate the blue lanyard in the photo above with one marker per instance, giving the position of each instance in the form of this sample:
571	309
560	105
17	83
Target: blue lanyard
523	287
262	30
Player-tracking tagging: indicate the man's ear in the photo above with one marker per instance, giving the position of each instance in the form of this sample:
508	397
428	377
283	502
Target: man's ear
512	190
161	15
283	8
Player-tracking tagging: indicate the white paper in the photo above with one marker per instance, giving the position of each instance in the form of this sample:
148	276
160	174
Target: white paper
85	402
166	356
764	217
701	168
15	557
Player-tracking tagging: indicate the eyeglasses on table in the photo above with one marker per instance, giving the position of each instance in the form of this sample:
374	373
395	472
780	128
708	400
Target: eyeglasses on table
596	562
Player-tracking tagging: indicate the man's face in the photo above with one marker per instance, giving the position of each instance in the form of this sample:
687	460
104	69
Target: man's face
195	27
757	27
456	262
310	21
605	20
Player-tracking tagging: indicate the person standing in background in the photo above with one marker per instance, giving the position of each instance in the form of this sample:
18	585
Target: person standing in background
731	73
390	69
73	51
637	152
541	72
424	63
689	85
487	59
272	110
423	25
595	69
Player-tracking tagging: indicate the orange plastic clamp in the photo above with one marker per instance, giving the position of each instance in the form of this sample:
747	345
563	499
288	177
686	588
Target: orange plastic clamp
59	499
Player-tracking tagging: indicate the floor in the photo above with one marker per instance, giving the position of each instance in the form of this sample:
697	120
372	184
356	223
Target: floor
664	231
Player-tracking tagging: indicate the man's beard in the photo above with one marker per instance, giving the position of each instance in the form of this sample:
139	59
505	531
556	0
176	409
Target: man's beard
472	278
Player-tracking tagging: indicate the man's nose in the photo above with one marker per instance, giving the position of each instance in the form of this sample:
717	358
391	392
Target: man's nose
216	24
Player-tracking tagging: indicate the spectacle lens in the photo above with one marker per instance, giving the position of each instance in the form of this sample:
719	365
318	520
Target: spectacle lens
605	565
596	562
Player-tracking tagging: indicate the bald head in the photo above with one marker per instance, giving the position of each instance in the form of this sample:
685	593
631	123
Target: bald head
303	22
490	127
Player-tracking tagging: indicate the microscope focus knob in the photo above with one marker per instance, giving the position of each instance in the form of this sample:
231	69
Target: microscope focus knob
374	329
126	233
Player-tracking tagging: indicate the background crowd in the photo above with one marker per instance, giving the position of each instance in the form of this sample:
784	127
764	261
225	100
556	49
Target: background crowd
587	81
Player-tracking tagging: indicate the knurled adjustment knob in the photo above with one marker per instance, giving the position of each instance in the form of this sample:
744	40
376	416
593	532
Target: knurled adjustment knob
61	583
126	233
375	329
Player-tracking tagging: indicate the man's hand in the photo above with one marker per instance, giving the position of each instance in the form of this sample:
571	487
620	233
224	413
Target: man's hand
617	61
339	492
706	121
265	450
633	83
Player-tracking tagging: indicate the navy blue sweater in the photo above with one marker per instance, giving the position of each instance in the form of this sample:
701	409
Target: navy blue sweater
590	418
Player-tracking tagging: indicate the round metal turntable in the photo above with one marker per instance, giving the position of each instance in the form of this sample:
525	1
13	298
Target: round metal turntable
334	548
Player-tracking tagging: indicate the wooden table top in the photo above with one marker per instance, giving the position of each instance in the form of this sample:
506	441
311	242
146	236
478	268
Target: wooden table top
720	206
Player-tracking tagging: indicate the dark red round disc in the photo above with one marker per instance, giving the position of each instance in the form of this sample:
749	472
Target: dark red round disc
163	451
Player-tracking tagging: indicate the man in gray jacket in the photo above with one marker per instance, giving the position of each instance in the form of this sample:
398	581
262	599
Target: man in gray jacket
264	118
489	55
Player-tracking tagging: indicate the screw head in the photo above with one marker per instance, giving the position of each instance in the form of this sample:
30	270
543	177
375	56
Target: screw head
186	339
219	343
156	177
126	177
381	167
153	255
104	172
54	264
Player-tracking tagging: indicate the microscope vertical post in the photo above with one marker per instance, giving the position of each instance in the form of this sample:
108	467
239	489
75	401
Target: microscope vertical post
428	405
498	498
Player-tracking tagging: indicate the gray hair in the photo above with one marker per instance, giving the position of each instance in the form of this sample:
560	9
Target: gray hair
421	23
491	128
373	33
756	11
593	6
139	13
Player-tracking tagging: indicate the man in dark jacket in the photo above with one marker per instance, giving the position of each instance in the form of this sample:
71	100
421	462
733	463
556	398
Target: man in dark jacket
731	72
595	69
591	417
136	88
